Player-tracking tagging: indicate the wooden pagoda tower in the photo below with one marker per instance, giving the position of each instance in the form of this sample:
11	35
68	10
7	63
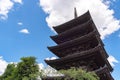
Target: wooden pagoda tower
79	45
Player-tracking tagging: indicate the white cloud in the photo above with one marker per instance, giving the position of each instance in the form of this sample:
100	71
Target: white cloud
52	58
60	11
41	66
25	31
112	60
20	23
18	1
6	6
3	65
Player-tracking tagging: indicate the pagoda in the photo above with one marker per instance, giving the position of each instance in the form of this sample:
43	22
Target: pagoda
79	45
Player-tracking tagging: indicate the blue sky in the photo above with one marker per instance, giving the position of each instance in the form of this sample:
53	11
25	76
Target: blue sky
25	27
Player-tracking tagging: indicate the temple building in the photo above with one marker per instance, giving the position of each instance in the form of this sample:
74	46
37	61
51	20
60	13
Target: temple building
79	45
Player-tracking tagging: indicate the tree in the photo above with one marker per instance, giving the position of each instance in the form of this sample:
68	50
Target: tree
27	69
79	74
9	71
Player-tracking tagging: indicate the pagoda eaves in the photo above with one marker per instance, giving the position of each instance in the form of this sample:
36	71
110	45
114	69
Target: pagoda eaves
57	50
74	22
78	31
64	61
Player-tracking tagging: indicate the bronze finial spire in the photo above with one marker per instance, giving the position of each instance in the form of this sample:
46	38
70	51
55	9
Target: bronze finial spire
75	13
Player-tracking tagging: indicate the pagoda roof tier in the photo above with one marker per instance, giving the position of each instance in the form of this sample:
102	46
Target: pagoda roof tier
74	22
77	31
75	60
101	70
104	73
61	48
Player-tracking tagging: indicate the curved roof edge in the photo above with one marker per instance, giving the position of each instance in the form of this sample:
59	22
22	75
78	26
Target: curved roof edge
67	25
70	43
76	29
81	54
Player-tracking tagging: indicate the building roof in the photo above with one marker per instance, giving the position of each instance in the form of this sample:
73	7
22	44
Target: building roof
80	30
62	62
103	72
74	22
57	50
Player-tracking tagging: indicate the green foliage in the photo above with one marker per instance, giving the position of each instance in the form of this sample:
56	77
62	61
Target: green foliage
27	69
79	74
8	74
